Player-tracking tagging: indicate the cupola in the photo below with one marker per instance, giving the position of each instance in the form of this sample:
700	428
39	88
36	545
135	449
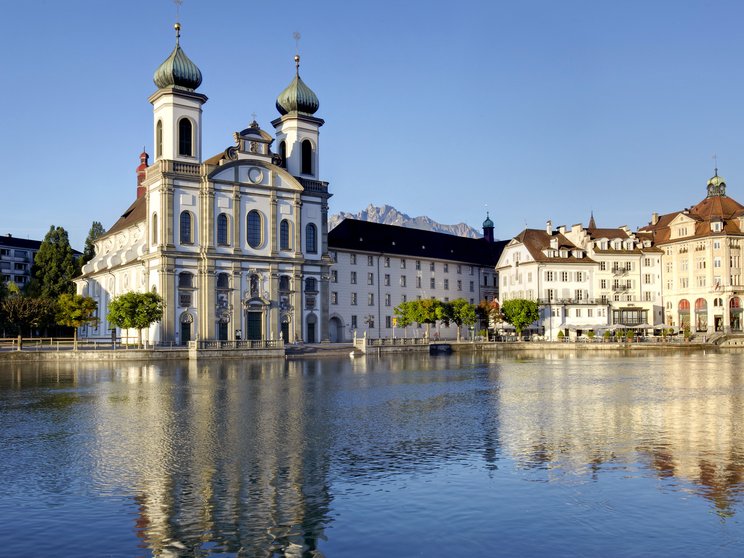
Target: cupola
178	70
488	228
716	185
297	97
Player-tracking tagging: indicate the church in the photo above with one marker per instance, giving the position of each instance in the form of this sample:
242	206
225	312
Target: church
235	244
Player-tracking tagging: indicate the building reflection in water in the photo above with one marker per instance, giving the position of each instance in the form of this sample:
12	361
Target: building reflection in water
673	416
246	457
221	458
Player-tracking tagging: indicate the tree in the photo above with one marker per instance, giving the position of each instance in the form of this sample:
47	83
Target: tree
488	311
136	311
425	312
463	313
96	231
520	313
20	313
54	266
74	311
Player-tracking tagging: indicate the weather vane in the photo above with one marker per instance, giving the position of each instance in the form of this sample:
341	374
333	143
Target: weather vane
178	8
296	35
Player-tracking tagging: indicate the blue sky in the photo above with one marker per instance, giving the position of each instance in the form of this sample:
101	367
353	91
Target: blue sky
539	109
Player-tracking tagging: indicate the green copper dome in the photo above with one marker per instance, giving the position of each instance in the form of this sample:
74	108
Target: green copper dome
178	70
487	224
297	97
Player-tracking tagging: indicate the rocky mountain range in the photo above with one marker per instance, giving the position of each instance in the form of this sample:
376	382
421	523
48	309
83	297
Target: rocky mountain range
388	215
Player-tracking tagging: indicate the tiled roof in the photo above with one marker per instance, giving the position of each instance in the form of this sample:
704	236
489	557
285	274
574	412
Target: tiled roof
713	208
13	242
363	236
537	240
607	233
133	215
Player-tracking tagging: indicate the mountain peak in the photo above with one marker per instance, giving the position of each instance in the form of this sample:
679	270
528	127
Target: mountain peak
388	215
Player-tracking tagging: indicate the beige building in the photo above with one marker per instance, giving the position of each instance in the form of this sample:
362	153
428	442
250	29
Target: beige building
702	268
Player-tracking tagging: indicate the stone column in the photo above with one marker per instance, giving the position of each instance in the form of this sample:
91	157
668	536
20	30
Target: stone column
274	318
167	289
166	215
237	219
297	312
273	220
324	301
236	294
207	300
298	227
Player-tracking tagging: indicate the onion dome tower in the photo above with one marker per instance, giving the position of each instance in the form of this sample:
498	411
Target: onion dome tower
177	107
488	228
297	129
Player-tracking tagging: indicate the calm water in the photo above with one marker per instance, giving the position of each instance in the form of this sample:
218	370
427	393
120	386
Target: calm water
557	455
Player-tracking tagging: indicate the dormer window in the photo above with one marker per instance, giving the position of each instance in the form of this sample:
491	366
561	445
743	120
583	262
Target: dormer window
716	226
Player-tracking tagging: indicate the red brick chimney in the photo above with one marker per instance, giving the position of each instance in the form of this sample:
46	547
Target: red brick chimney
141	171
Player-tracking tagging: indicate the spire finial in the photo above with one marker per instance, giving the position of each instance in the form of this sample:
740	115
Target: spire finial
177	26
296	36
715	163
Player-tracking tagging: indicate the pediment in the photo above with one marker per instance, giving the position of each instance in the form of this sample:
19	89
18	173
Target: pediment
252	172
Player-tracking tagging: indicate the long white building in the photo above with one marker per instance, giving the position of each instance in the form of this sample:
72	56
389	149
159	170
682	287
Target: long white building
376	267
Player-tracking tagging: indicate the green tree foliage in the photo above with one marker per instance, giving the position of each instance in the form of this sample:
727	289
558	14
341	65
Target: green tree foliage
54	266
402	313
74	311
96	231
520	313
136	311
20	314
459	311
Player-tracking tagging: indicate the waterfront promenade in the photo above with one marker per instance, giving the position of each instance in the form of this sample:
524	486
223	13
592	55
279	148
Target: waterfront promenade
50	349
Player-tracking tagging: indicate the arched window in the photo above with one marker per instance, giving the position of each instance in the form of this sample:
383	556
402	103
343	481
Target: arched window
159	139
307	157
284	235
222	230
311	285
311	239
185	137
154	233
253	229
187	230
283	153
223	281
185	280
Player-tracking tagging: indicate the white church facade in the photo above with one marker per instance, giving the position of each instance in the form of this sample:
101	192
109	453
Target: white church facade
236	244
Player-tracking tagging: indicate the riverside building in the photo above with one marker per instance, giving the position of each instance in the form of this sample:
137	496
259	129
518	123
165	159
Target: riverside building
584	278
377	266
702	266
236	244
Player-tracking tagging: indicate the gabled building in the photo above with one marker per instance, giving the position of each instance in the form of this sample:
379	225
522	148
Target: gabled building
583	278
236	244
376	267
702	267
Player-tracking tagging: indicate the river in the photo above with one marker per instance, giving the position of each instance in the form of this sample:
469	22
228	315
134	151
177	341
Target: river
556	454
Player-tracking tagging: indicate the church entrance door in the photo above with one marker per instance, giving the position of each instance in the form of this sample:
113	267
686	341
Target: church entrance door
253	323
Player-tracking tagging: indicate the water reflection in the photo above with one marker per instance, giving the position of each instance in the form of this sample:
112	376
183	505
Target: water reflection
248	459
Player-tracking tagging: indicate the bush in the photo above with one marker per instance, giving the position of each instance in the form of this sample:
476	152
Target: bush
561	335
607	335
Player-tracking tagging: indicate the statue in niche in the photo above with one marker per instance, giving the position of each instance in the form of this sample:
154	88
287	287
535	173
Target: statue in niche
253	289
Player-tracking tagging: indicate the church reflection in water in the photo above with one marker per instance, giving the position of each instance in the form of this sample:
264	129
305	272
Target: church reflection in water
246	458
211	457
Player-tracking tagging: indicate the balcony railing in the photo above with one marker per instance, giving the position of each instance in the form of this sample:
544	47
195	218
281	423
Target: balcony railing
311	185
619	271
176	167
243	344
559	301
